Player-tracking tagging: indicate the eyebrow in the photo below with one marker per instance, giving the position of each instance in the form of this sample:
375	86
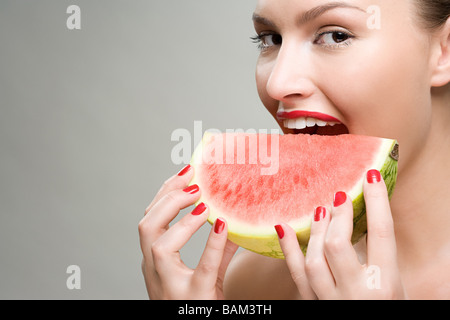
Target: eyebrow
309	15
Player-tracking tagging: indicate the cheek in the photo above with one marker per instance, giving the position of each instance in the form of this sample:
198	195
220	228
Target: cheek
262	75
385	94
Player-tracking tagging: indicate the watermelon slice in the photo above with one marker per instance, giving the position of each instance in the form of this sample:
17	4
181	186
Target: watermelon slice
256	181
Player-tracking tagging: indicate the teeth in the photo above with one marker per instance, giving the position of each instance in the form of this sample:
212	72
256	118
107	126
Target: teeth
310	122
295	123
321	123
302	123
291	124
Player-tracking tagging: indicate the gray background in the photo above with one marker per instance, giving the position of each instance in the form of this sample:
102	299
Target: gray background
85	129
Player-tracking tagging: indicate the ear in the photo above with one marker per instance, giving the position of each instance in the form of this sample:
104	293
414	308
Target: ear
441	59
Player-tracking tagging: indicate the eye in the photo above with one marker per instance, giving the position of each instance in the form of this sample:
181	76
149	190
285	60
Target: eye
334	39
267	40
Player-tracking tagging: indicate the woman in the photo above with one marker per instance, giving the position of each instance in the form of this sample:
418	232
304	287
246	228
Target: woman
381	68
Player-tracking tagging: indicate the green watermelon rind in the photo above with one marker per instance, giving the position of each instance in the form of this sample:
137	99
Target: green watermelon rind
267	244
389	173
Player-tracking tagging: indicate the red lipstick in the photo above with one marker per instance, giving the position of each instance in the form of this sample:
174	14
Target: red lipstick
287	115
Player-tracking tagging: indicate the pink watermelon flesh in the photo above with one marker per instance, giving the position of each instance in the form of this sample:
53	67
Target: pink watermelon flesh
311	169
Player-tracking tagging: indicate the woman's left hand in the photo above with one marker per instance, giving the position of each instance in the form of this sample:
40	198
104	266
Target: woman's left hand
331	268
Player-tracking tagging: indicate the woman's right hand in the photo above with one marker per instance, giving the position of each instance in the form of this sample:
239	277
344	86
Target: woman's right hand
165	274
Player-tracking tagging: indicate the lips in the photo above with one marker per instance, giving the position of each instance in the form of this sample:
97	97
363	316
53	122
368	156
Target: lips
289	115
308	122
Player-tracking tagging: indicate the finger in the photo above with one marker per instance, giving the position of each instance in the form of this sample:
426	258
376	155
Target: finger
230	250
294	260
178	181
157	220
165	250
339	251
207	270
319	274
179	234
381	245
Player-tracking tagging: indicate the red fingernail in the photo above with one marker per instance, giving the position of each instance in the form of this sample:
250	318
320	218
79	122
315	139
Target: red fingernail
192	189
219	225
199	209
280	231
373	176
320	213
184	170
339	199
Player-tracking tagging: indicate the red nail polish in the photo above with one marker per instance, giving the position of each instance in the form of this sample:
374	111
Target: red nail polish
219	225
199	209
373	176
339	199
280	231
184	170
320	213
192	189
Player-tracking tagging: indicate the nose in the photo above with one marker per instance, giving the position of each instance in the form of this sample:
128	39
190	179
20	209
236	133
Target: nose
290	79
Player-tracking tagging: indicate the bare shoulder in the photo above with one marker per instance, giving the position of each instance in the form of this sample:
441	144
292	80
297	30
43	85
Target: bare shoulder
252	276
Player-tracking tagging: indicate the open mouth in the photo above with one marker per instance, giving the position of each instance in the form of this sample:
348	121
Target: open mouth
310	122
314	126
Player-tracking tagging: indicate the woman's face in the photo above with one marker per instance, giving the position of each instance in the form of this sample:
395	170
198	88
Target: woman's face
363	64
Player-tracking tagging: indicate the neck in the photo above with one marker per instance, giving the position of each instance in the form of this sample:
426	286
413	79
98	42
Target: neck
421	201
